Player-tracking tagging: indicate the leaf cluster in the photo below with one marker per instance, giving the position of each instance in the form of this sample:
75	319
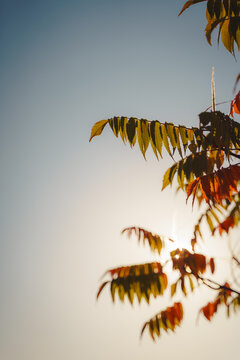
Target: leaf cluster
144	281
224	15
208	170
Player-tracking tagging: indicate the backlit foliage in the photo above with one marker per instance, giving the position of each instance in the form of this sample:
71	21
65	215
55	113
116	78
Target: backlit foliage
156	242
166	320
224	15
208	171
206	166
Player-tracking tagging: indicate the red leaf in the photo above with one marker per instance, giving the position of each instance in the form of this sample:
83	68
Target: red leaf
235	105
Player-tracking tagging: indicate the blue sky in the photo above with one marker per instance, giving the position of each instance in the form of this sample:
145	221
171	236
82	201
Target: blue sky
65	65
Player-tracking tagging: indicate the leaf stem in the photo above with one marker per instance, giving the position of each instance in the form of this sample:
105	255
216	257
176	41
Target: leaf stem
205	282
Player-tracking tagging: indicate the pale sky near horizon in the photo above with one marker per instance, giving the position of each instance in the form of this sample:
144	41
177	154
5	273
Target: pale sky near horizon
64	65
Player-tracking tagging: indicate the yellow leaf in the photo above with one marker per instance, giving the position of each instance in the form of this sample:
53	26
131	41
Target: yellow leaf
184	136
227	38
176	130
131	131
183	286
171	135
180	176
113	289
168	176
165	139
98	128
123	130
173	289
188	4
143	135
115	122
121	292
131	294
210	223
191	282
156	327
237	39
140	140
158	138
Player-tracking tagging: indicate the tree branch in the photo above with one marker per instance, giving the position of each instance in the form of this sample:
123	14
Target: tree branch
219	287
237	261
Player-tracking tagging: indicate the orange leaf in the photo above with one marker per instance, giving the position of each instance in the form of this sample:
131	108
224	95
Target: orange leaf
212	265
235	105
217	186
226	225
192	188
210	309
101	288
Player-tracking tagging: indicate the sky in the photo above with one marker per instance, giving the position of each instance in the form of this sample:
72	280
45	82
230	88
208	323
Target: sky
65	64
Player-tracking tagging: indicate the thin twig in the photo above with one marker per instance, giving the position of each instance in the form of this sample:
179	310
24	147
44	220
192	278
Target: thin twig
237	261
218	285
223	102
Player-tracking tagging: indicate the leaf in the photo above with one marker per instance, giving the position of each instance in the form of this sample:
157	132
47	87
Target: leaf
98	128
210	309
210	223
173	288
168	176
158	137
165	139
171	135
143	136
184	136
188	4
176	134
166	320
155	242
217	186
191	282
212	265
141	280
131	131
235	105
153	137
227	39
123	128
183	286
186	262
101	288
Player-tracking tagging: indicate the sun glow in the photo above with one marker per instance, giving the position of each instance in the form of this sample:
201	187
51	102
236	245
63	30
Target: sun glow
178	241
